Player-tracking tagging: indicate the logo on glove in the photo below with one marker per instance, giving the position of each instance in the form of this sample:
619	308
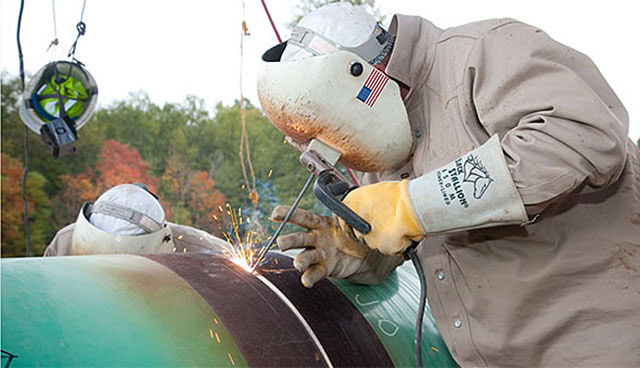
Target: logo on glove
477	174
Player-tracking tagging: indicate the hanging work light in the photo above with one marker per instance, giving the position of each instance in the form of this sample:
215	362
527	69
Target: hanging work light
57	102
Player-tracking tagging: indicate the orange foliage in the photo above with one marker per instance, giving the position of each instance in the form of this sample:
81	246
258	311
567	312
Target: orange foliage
13	230
204	198
175	179
118	163
12	206
191	193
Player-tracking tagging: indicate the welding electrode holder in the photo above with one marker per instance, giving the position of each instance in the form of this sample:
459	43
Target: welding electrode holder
326	188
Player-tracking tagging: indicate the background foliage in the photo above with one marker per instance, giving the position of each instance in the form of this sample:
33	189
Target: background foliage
186	154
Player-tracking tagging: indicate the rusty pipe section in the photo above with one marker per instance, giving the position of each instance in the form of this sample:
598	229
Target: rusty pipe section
200	310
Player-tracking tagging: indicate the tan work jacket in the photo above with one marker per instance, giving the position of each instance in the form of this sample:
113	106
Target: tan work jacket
563	290
185	239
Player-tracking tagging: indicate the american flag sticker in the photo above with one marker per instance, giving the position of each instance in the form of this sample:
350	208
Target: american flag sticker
372	87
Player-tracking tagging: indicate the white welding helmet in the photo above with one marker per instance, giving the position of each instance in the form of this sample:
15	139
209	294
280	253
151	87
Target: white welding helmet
338	26
59	86
326	88
125	219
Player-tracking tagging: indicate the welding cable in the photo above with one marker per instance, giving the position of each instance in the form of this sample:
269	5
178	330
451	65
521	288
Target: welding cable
413	255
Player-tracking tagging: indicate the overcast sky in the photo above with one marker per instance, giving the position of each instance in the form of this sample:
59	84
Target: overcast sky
175	48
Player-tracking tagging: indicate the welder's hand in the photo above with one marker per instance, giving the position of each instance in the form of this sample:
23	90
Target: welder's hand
328	251
387	208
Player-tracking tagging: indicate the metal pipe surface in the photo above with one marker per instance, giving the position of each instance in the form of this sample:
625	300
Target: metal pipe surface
203	310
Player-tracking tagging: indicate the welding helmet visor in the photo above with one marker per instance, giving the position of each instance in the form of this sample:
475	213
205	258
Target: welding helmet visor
340	99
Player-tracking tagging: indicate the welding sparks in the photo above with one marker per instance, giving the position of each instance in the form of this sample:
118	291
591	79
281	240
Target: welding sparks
245	251
231	359
243	263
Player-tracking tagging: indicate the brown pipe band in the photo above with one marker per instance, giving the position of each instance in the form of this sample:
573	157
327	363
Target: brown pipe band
264	328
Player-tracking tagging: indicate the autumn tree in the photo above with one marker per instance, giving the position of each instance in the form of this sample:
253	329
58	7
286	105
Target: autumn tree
117	164
192	194
175	148
13	231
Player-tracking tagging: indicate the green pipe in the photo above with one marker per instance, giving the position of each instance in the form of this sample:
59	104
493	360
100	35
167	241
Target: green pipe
391	309
126	310
107	311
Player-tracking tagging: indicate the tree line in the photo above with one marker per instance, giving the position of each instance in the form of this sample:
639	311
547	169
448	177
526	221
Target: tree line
186	154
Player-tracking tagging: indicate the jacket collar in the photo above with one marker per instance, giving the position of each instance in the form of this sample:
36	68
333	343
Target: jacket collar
413	50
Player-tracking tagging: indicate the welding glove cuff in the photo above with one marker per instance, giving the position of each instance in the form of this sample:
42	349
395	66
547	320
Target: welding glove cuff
474	191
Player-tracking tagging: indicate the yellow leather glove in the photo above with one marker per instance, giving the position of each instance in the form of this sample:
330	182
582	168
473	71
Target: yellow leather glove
328	251
387	207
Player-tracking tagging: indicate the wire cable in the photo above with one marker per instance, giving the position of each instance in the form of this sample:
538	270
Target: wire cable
82	12
55	26
244	137
81	27
27	227
275	30
413	255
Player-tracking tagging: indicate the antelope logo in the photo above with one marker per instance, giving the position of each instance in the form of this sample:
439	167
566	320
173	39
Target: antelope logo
476	174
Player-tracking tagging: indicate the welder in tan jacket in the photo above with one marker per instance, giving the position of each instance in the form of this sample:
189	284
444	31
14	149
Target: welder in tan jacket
128	219
504	152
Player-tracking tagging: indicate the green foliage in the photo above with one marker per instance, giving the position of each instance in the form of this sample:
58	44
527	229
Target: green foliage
268	152
13	233
305	7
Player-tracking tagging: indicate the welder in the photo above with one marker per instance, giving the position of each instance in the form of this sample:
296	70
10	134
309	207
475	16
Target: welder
128	219
501	151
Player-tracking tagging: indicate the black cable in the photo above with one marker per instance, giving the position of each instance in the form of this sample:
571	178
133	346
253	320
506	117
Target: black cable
413	255
27	228
10	357
81	27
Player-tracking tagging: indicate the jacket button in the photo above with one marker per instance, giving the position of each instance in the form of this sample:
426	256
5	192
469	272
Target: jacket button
457	323
441	275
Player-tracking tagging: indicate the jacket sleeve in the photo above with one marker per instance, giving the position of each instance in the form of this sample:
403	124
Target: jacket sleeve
61	243
561	126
